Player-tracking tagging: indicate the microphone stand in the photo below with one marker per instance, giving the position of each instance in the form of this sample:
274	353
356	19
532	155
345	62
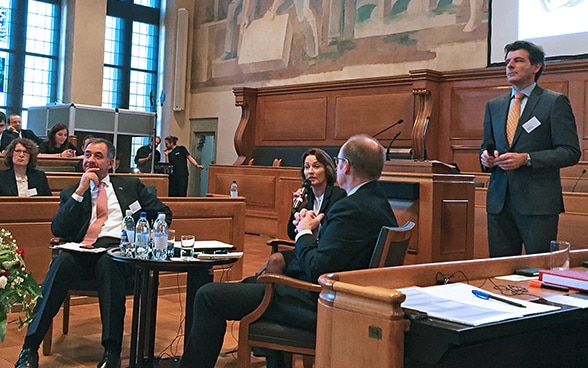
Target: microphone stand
390	145
390	127
578	180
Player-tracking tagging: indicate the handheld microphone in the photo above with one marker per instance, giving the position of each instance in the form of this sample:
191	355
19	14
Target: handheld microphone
578	180
390	127
390	144
490	148
298	201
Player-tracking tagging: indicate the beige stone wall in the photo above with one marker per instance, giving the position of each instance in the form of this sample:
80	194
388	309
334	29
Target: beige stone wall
84	56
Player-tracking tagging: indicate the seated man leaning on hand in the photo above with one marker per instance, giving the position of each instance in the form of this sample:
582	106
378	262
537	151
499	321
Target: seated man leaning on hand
81	219
345	241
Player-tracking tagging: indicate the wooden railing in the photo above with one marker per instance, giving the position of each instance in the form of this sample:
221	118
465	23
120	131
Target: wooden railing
61	180
209	218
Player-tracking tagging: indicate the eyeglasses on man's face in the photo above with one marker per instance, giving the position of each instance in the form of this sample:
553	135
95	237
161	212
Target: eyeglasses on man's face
339	159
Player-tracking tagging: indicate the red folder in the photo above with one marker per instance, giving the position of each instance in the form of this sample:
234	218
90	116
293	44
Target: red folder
572	279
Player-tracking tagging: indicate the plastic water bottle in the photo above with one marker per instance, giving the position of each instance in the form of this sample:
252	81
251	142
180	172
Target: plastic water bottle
160	237
142	232
127	235
234	190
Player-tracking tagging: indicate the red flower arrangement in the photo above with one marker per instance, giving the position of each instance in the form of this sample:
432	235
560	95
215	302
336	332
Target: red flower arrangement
18	289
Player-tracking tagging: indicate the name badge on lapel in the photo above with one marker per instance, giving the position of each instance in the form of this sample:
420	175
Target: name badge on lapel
135	206
531	124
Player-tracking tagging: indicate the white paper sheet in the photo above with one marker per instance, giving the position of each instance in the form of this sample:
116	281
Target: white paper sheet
207	244
77	247
457	303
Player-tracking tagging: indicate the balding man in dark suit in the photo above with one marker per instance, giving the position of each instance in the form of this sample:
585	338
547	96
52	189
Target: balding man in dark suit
345	241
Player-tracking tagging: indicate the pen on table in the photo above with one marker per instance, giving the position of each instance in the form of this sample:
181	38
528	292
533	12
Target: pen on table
485	295
540	284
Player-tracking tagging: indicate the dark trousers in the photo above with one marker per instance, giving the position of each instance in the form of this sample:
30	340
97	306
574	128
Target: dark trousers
215	303
178	186
68	267
509	230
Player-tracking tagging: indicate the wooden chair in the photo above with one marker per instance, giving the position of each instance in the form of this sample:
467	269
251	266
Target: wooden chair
86	288
389	250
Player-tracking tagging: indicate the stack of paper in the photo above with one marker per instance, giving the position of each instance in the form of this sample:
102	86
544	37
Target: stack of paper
457	303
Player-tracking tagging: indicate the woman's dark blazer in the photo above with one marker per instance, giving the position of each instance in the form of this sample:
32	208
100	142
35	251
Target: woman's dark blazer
36	179
332	194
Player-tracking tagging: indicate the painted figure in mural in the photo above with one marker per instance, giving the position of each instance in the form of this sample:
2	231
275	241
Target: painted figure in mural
307	20
239	15
476	12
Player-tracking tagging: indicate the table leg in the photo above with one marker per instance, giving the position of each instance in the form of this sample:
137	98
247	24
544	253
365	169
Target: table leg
151	316
141	336
139	272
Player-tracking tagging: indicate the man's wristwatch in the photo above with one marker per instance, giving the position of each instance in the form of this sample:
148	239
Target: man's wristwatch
528	163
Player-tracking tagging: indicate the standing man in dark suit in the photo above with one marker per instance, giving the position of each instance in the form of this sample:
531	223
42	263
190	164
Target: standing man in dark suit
145	155
76	214
524	196
14	130
346	242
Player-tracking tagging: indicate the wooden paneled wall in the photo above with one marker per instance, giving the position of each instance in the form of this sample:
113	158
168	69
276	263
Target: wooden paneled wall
209	218
327	113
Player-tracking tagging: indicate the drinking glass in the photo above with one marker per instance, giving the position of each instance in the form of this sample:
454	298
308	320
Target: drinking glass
171	241
560	255
187	250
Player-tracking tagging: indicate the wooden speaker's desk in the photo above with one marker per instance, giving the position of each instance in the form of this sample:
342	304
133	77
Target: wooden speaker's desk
443	209
361	322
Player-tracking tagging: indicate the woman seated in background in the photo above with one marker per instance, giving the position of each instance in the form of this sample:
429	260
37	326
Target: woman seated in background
319	169
57	143
21	178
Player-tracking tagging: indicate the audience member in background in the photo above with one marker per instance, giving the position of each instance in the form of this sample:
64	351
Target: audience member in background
178	156
79	219
21	178
144	155
79	167
346	242
319	169
2	126
57	143
14	130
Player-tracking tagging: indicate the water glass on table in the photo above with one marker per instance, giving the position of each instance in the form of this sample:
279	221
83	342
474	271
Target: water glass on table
187	250
171	241
559	258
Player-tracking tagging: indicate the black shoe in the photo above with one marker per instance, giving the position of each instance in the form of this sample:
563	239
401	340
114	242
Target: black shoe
110	359
28	358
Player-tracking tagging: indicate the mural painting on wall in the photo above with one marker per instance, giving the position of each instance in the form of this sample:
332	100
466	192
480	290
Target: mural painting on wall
251	40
